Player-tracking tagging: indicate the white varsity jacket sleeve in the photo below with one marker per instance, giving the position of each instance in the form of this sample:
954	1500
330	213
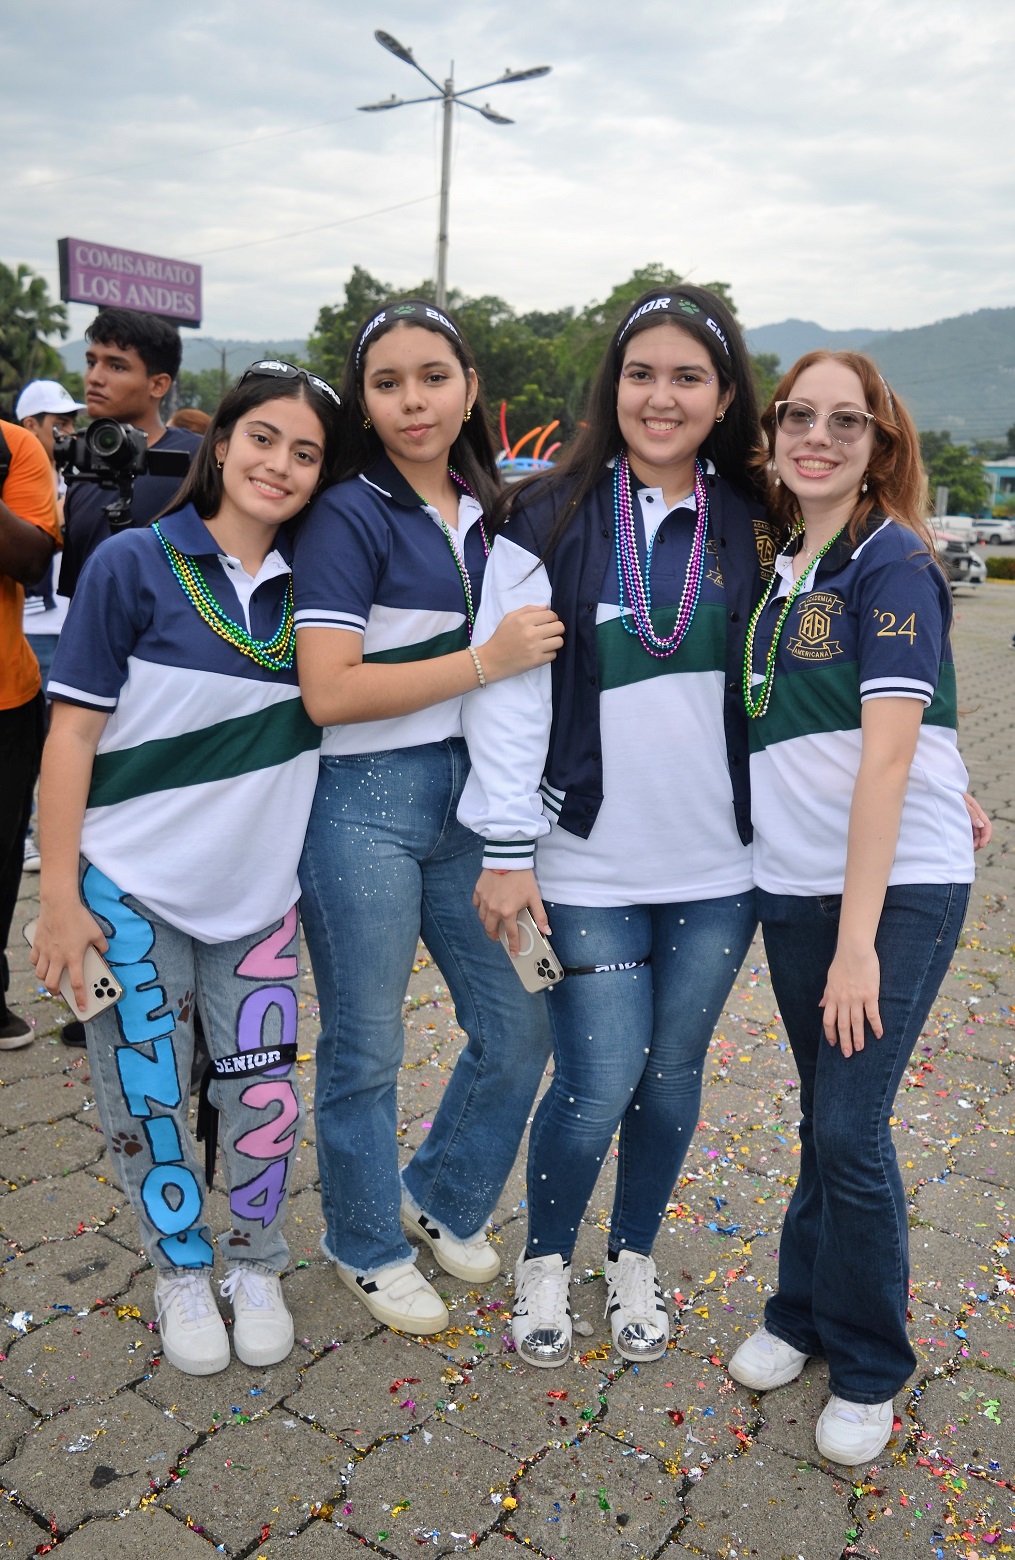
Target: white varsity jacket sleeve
507	724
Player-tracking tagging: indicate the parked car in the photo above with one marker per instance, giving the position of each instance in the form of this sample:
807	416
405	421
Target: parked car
995	532
960	563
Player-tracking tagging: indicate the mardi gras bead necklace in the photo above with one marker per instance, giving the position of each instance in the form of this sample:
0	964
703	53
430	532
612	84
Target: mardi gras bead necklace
637	587
274	654
758	706
470	611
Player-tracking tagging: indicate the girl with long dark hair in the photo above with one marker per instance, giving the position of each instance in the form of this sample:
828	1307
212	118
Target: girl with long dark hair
622	769
176	785
863	859
388	573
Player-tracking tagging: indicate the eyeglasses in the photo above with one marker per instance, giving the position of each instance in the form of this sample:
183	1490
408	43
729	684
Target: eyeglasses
848	426
274	368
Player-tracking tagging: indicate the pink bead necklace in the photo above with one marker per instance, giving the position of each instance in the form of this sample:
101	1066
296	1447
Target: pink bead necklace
637	587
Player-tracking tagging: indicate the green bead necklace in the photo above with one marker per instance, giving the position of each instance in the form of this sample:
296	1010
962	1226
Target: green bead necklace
756	707
274	654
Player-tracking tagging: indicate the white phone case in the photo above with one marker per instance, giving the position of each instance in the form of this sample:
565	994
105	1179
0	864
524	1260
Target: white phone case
101	984
536	964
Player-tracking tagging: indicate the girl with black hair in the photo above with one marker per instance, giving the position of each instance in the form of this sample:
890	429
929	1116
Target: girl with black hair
389	568
176	785
622	770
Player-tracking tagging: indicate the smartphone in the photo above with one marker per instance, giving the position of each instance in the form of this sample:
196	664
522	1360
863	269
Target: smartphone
536	964
101	984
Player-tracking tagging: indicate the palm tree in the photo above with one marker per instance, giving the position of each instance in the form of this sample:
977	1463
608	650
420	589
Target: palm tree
27	316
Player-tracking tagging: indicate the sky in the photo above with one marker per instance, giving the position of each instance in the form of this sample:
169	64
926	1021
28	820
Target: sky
845	161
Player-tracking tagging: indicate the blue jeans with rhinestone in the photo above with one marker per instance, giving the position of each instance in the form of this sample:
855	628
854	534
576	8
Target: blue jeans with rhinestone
629	1047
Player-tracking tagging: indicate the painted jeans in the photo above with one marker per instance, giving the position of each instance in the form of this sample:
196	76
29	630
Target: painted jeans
140	1054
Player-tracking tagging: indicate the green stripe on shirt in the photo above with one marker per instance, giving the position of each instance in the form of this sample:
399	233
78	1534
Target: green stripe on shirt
223	751
426	650
622	660
827	698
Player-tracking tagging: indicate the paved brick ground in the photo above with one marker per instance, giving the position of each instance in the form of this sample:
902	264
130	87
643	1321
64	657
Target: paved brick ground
364	1439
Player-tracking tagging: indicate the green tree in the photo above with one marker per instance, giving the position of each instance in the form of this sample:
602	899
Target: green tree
202	390
766	376
954	467
539	363
27	316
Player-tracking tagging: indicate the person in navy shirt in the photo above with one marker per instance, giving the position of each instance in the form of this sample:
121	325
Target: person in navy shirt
177	781
388	572
863	856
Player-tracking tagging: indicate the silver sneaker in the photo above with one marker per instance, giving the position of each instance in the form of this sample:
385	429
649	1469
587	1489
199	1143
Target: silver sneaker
639	1320
541	1322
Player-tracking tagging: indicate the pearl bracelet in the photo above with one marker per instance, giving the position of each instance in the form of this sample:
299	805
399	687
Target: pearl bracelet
479	667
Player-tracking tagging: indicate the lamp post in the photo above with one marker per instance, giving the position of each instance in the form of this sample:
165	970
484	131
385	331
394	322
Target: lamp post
449	96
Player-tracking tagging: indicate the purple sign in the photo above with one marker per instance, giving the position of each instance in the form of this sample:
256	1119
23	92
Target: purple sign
127	279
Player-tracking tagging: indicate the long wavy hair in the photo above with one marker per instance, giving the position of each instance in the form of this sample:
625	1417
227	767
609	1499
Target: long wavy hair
896	480
202	486
729	445
473	453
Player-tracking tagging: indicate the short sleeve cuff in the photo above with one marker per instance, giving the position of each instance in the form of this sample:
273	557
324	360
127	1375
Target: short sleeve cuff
315	617
896	688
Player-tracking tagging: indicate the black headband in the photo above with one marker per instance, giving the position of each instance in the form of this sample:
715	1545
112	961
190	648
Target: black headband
409	311
675	303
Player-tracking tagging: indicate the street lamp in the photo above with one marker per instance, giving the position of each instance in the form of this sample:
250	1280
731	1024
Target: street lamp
447	95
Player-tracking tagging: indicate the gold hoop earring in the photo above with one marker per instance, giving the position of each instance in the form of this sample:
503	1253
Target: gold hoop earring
219	464
468	414
367	422
720	417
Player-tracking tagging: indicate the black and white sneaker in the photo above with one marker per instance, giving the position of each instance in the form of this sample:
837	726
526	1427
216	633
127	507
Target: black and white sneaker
473	1258
639	1320
541	1321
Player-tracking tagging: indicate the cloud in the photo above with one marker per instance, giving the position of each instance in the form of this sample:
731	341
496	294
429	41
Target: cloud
845	163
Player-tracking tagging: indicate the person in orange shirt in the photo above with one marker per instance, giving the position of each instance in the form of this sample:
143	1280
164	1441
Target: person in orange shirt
29	535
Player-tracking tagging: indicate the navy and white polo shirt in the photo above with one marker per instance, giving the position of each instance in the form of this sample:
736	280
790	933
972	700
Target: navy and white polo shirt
871	622
372	558
666	830
205	771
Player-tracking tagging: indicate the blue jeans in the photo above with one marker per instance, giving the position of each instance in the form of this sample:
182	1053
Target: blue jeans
385	861
844	1254
140	1054
629	1047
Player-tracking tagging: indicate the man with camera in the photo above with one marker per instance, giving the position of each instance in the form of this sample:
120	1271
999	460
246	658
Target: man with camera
29	534
131	361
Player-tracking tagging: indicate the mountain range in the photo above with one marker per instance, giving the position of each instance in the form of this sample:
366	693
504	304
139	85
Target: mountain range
956	375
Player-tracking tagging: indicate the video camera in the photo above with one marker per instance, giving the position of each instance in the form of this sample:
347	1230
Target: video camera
112	454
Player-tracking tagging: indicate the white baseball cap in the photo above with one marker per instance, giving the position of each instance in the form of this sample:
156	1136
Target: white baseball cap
45	395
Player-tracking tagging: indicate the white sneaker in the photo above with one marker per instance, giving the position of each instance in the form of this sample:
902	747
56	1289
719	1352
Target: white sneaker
763	1361
473	1258
639	1320
400	1297
193	1333
541	1323
851	1433
262	1327
32	861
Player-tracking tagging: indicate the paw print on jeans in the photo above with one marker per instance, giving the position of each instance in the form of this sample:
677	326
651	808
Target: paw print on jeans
545	970
184	1006
127	1143
237	1239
